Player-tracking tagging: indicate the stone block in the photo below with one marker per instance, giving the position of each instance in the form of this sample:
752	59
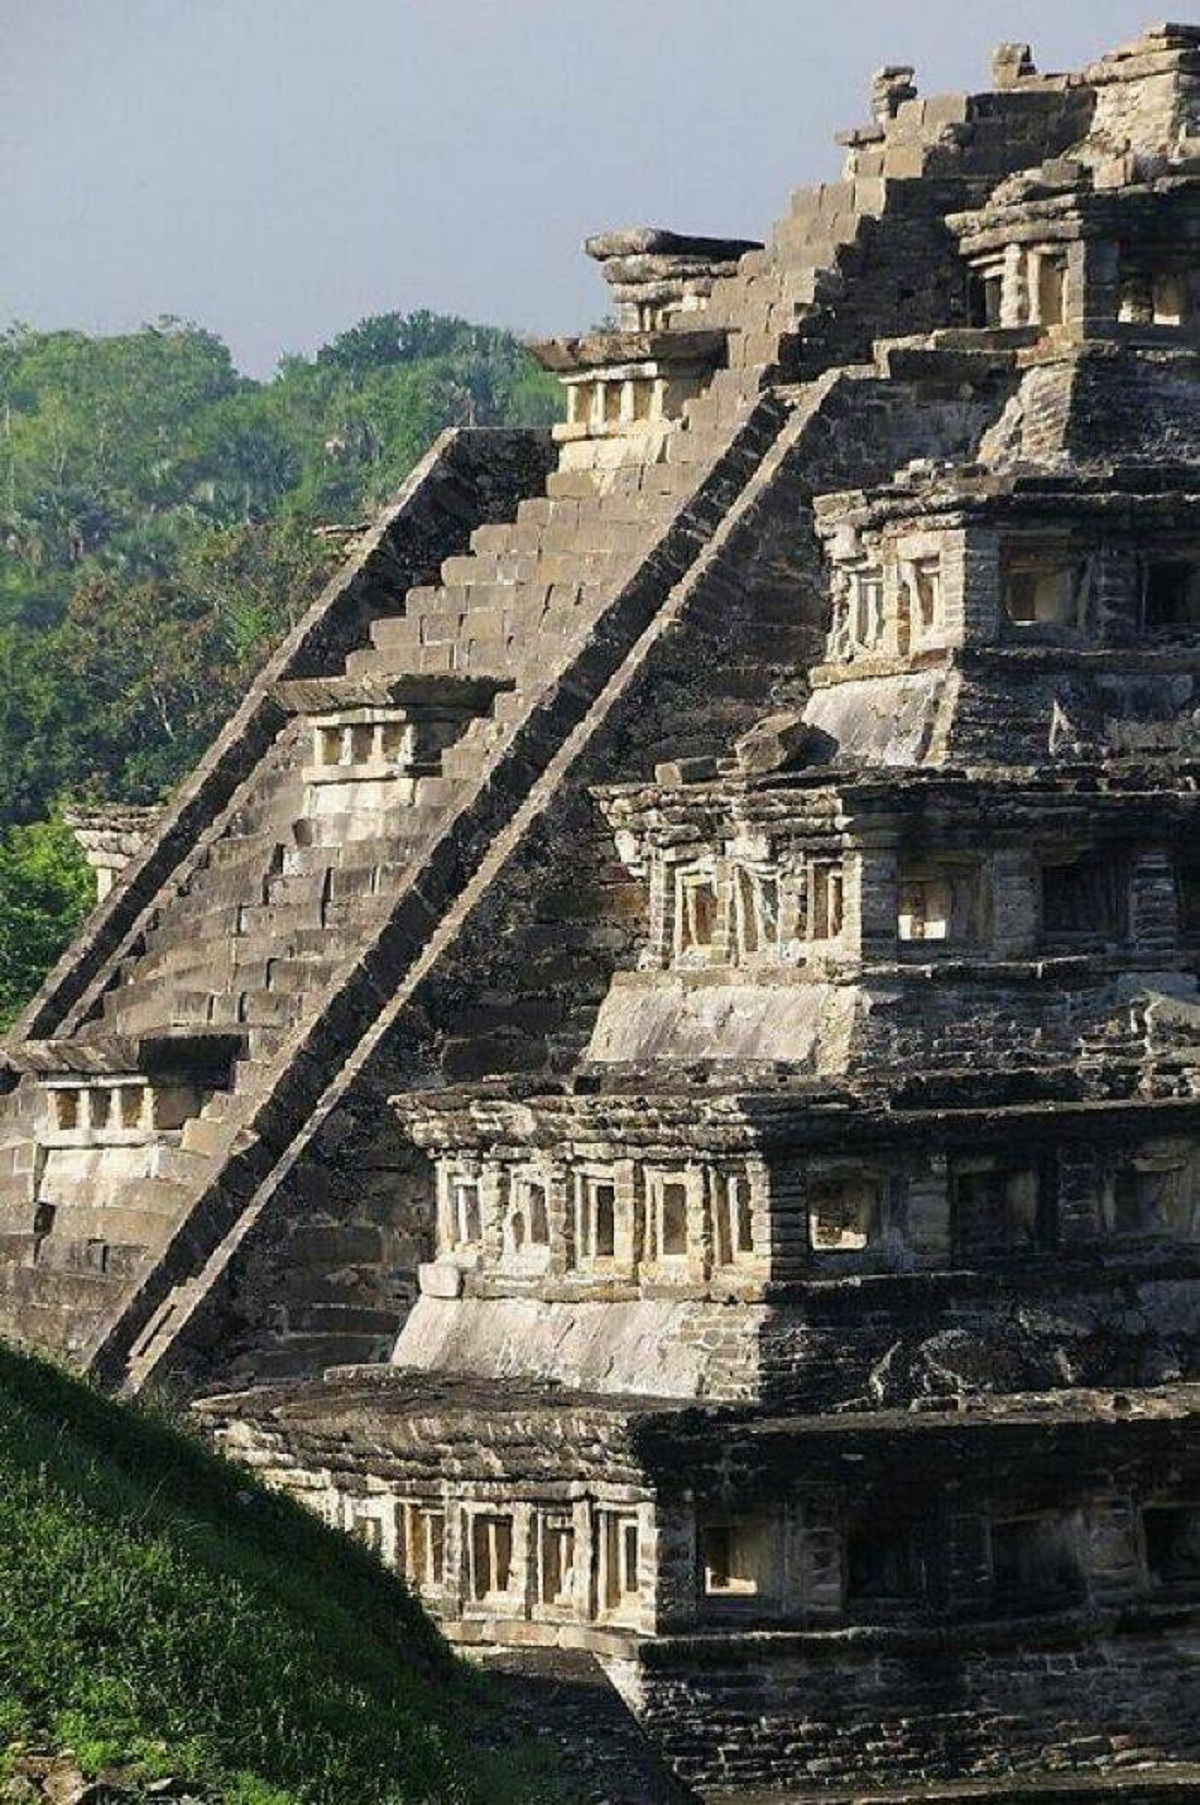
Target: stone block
440	1278
778	743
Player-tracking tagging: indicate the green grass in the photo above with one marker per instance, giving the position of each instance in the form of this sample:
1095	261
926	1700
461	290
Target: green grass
158	1606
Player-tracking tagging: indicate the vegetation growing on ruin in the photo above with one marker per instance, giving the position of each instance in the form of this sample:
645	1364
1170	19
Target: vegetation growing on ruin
158	516
159	1607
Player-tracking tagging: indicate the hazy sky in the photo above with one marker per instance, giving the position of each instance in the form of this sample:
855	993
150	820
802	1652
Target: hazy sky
278	168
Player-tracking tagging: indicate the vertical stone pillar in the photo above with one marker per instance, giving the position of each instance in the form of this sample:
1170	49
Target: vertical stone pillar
871	901
1113	600
1014	291
927	1214
821	1580
523	1577
672	1546
662	912
626	1189
493	1193
1153	904
454	1553
1015	905
559	1187
1110	1548
787	1223
1081	1178
1093	286
974	603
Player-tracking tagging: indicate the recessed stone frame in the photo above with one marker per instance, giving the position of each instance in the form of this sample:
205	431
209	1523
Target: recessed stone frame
894	593
1020	285
1036	1561
743	910
1170	1545
371	742
699	914
548	1560
824	900
1169	594
118	1111
672	1238
1000	1208
464	1193
421	1547
1153	1192
1150	293
846	1210
737	1218
370	1518
943	902
1045	585
560	1548
623	1219
526	1205
495	1558
619	1562
743	1563
601	1224
757	896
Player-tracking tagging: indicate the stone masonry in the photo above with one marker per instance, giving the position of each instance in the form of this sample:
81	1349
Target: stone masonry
653	1072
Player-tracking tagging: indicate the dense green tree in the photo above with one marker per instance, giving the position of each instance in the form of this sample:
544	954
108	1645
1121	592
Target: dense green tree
45	891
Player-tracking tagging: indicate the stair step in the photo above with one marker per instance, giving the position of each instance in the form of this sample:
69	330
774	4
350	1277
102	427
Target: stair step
249	1075
112	1224
214	1140
183	1166
241	850
158	1196
56	1287
225	1107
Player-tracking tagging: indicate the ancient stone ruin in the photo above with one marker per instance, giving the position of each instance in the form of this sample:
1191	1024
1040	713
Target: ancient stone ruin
652	1073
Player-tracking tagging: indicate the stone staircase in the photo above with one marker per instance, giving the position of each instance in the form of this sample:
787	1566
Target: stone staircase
872	247
484	771
280	898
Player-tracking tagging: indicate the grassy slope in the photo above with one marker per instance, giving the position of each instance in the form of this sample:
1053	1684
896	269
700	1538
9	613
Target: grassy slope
156	1603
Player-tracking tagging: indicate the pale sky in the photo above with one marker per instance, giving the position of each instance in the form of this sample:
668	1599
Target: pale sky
276	169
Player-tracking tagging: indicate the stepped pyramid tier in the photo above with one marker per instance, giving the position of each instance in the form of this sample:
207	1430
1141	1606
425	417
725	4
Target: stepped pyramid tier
652	1074
625	387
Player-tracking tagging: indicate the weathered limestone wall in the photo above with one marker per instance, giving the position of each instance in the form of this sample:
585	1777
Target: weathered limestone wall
848	1710
652	1348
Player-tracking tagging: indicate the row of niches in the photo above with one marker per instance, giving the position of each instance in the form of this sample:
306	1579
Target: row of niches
744	1222
623	1219
759	910
912	591
860	1565
368	744
1049	286
574	1558
366	741
367	762
820	1562
117	1112
622	402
